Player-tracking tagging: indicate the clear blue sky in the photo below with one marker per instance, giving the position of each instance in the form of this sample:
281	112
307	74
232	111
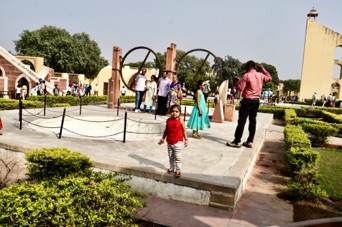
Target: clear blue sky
270	31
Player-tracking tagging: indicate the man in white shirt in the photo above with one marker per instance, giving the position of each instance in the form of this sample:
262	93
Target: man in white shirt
123	91
140	81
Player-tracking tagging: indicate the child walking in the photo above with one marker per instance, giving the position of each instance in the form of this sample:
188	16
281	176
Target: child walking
176	137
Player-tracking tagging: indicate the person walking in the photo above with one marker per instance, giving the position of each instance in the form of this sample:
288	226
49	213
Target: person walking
199	119
314	99
18	91
34	90
96	90
232	95
176	138
23	91
333	99
163	91
324	100
151	93
251	86
55	90
140	81
123	91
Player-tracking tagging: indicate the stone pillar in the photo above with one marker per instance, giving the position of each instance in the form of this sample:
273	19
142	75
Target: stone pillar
6	87
218	116
170	60
114	92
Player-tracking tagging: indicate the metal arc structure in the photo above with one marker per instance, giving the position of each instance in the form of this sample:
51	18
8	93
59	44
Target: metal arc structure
218	68
149	51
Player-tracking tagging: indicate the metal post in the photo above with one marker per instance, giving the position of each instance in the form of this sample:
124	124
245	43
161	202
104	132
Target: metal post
184	112
44	104
80	105
61	129
20	114
125	125
208	107
155	109
118	107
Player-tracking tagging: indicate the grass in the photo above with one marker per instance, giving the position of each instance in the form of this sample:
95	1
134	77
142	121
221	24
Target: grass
330	170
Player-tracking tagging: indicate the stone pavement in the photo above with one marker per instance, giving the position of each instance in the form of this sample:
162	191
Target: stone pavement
210	169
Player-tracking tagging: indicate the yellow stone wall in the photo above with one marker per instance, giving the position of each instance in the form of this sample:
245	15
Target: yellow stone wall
106	73
37	62
318	61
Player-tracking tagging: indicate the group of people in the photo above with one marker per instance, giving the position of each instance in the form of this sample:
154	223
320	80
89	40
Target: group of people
21	91
267	96
175	131
165	91
80	91
328	101
39	88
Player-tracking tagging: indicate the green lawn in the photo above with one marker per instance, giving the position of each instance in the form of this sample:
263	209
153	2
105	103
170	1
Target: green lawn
330	170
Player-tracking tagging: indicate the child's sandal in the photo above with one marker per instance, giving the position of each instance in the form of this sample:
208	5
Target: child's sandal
178	174
169	171
196	136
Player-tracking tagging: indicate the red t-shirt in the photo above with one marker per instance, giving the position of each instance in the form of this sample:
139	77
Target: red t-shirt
174	131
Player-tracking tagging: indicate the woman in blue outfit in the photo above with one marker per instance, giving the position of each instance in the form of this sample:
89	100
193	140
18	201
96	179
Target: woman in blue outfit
199	118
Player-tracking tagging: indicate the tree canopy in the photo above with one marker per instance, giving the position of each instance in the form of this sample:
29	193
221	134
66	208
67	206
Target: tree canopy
61	51
291	85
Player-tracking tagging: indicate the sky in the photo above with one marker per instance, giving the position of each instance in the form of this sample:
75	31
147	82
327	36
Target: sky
270	31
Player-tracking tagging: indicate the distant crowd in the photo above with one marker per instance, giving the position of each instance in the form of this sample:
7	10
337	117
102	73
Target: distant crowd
40	89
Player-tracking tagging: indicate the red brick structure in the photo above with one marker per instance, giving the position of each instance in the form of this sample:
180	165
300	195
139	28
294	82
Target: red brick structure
12	71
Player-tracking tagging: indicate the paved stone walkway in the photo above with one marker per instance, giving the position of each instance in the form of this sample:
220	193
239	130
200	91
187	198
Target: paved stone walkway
258	206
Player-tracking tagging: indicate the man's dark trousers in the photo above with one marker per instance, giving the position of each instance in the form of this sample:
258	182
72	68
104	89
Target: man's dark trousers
248	108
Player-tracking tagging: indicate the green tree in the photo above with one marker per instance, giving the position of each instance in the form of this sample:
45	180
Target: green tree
291	86
273	71
61	51
190	69
231	67
138	64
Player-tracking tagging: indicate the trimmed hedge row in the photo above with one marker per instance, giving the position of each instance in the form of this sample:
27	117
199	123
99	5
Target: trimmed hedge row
302	161
51	101
331	117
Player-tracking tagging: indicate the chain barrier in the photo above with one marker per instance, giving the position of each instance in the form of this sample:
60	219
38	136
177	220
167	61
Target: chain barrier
79	134
140	123
147	133
147	123
28	122
40	116
79	119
